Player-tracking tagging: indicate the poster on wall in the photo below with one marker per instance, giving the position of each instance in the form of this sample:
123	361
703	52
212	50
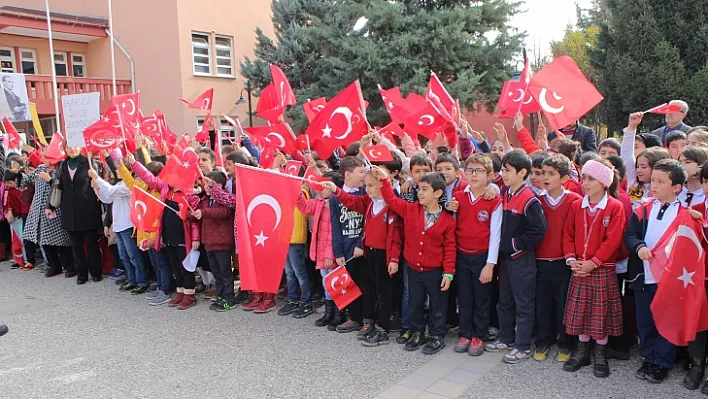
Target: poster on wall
14	101
78	112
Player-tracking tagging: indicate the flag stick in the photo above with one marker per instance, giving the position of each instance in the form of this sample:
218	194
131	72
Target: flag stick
162	203
113	50
308	144
54	72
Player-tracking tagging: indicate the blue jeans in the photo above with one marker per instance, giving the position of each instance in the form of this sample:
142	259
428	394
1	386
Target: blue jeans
17	226
162	270
131	259
296	273
404	306
324	273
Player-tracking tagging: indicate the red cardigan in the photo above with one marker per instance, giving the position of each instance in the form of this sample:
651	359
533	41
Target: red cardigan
424	249
394	230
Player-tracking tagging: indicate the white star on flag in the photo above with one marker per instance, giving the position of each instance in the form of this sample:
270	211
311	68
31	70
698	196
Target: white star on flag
260	239
344	292
327	131
686	277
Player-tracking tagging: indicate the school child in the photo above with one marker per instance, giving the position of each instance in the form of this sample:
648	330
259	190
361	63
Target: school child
536	177
593	234
675	143
176	235
429	248
321	244
523	227
217	228
16	212
552	273
692	158
696	137
609	147
347	227
639	169
478	231
648	223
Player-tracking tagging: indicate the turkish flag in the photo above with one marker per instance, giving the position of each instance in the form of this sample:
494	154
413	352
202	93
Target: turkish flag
341	287
204	101
16	249
396	105
180	174
265	217
441	99
127	129
128	106
293	167
55	150
14	138
217	150
664	109
202	135
267	157
512	95
680	308
341	122
268	106
377	153
282	87
279	135
313	180
563	92
145	210
312	108
152	128
394	129
102	136
426	122
303	142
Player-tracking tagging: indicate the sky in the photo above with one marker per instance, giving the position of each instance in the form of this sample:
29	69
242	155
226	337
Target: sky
545	21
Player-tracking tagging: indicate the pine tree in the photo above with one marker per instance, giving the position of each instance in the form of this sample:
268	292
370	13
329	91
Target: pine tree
395	43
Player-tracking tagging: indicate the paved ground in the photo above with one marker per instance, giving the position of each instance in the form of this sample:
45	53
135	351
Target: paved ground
92	341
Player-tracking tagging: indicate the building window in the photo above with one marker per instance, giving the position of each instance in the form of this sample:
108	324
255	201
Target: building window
78	65
224	56
7	60
228	131
60	65
28	61
201	58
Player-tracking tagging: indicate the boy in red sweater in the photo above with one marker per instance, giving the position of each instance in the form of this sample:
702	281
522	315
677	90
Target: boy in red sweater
552	274
429	250
383	241
478	233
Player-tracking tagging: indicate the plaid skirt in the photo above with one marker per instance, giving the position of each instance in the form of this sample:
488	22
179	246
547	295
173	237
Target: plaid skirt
594	305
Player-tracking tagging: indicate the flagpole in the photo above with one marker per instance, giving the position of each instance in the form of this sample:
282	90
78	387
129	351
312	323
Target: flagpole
54	72
113	50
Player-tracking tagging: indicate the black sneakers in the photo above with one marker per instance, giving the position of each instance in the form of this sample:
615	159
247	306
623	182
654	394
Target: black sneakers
414	342
305	309
434	345
288	308
376	338
242	296
366	330
403	337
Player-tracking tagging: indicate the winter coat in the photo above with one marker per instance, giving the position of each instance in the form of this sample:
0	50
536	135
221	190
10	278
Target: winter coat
52	233
80	208
321	243
217	227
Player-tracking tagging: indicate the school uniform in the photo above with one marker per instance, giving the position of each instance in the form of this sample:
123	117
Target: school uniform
648	223
523	228
690	198
478	232
552	273
429	249
453	318
594	233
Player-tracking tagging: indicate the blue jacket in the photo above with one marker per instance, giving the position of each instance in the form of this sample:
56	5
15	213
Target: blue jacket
347	227
255	153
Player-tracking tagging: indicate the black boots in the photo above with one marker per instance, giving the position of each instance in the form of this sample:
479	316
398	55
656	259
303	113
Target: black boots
580	359
601	369
328	314
695	373
338	319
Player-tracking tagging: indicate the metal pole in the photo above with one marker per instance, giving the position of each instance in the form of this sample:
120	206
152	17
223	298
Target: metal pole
250	109
133	88
54	72
113	51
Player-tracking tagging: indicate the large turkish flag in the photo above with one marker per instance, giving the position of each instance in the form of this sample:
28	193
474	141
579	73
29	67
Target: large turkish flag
265	218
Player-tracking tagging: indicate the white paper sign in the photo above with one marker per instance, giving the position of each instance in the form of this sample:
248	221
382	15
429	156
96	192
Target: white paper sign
79	111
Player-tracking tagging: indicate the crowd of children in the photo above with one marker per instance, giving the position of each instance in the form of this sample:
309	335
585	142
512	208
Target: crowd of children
517	249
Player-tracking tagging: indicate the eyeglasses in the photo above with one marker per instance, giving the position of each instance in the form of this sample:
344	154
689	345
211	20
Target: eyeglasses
475	171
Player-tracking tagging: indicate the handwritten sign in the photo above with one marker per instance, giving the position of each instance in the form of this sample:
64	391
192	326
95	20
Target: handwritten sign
79	111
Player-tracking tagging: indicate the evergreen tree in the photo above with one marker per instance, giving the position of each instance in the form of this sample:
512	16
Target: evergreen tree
323	45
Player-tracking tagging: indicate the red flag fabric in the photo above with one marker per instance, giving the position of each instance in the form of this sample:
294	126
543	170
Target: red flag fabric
128	106
441	99
341	122
511	96
265	217
292	167
102	136
394	129
14	138
426	122
278	135
664	109
282	87
377	153
313	180
16	249
680	308
395	104
55	150
312	108
145	210
204	101
202	135
341	287
217	150
152	128
268	106
180	174
267	157
126	129
563	92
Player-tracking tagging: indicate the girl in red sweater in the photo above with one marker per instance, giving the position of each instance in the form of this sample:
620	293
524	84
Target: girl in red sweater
593	236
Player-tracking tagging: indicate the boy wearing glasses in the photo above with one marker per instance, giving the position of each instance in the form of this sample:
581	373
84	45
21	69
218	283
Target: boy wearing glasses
478	233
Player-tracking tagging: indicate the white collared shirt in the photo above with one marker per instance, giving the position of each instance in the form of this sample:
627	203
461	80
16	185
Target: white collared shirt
697	197
656	229
600	205
555	201
377	206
